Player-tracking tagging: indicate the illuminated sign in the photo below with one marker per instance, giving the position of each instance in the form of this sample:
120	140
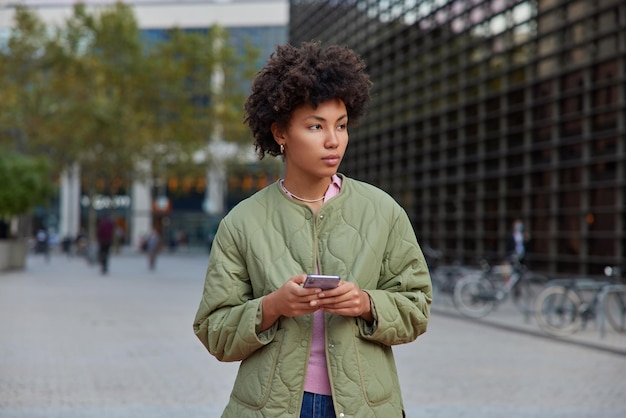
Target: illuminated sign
106	202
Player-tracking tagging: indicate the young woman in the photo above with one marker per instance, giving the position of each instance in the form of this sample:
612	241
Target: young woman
308	352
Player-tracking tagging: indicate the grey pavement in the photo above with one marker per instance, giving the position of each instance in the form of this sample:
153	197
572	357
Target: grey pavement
77	344
509	317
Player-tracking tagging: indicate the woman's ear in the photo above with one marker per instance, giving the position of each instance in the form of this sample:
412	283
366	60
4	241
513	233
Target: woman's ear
277	131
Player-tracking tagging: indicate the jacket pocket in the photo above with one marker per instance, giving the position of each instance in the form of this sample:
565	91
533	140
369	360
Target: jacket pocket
254	378
377	370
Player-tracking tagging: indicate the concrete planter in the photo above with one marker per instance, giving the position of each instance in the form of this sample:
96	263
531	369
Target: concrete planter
13	254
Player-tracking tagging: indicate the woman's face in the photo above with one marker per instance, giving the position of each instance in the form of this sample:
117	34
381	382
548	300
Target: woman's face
315	140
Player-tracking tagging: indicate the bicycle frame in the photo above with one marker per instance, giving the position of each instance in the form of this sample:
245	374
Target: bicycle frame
476	297
618	289
568	301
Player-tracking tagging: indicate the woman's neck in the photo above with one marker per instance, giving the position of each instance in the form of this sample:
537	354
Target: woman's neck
307	192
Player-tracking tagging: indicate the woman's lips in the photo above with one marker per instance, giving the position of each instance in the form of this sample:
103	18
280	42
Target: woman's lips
332	160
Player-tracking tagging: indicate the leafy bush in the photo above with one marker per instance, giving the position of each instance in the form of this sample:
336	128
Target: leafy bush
24	183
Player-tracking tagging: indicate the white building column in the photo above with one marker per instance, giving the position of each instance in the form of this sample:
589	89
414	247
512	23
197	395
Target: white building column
215	197
141	213
70	209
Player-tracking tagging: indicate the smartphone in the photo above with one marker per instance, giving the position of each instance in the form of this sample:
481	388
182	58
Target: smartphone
322	281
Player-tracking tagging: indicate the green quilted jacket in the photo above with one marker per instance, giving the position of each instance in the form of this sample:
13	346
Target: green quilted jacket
361	234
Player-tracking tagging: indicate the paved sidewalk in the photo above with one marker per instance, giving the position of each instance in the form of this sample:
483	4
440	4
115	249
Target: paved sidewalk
508	317
78	344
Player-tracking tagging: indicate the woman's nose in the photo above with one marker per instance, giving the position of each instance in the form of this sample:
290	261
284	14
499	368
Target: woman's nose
332	139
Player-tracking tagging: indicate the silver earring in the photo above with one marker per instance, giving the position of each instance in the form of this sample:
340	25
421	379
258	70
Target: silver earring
282	149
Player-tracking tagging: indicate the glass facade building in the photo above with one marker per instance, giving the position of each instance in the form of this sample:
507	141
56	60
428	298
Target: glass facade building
485	111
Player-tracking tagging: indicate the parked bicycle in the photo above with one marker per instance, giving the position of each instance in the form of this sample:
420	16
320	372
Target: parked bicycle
477	296
445	276
614	298
565	306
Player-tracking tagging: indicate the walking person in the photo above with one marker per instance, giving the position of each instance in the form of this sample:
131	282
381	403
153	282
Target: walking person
153	246
43	244
516	243
82	243
308	352
66	245
105	231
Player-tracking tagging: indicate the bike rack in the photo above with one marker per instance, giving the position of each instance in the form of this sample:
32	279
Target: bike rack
614	288
583	283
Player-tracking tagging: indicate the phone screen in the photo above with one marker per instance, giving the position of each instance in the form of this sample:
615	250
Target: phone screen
321	281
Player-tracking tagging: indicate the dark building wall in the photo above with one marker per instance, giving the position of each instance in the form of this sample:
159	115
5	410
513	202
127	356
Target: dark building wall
487	111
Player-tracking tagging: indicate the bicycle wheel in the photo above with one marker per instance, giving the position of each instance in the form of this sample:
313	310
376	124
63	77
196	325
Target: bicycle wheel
615	310
444	279
556	311
474	297
524	295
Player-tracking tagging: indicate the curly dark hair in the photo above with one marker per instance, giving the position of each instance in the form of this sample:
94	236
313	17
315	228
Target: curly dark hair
311	74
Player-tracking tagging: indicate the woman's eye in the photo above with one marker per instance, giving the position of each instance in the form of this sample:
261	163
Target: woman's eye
315	127
342	127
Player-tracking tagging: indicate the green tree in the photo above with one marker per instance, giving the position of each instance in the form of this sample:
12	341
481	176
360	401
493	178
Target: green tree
23	77
193	95
100	62
25	183
91	93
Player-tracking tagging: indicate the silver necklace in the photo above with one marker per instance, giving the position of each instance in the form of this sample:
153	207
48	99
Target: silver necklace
282	186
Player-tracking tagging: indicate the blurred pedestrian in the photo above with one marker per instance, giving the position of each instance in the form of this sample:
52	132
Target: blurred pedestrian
82	243
118	238
308	352
516	243
153	247
42	245
66	245
106	229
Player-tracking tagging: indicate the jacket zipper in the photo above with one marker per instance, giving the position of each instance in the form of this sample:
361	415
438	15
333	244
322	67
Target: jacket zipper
316	257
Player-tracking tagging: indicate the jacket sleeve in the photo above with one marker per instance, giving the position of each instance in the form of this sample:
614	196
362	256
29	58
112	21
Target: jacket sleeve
401	302
228	315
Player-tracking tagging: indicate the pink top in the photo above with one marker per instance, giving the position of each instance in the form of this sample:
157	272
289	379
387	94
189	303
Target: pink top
317	380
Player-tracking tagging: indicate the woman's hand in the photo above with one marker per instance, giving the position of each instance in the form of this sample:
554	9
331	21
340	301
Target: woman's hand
291	299
346	299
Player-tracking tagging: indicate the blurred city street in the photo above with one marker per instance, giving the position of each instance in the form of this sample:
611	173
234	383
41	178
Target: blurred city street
77	344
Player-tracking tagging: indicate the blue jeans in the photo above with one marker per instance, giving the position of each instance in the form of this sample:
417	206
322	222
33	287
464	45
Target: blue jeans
315	405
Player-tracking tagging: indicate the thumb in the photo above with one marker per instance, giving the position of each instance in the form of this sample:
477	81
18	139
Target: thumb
299	279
